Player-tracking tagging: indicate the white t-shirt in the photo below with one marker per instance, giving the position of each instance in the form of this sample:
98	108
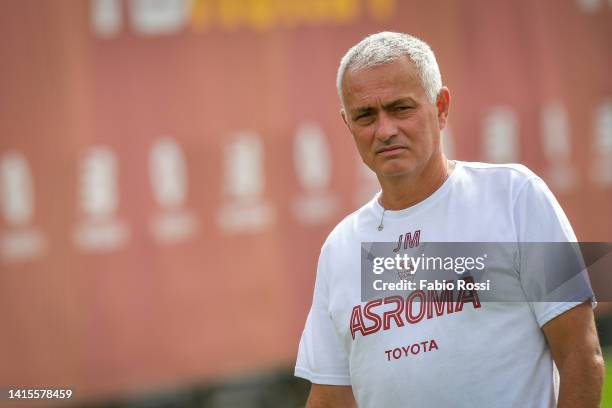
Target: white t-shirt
488	354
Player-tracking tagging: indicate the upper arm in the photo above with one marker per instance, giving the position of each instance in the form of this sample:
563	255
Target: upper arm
572	334
322	358
324	396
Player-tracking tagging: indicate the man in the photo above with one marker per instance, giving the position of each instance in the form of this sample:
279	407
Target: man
483	354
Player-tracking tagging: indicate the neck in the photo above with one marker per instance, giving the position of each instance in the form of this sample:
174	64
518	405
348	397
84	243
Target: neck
399	192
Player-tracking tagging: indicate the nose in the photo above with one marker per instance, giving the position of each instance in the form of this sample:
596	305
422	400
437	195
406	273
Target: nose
386	128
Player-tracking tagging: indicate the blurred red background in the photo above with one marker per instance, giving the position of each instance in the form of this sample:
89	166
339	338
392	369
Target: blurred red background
170	169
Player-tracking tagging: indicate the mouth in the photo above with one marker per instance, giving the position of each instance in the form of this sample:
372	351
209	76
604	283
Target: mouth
390	150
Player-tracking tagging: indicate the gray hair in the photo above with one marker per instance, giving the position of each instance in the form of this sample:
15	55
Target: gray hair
386	47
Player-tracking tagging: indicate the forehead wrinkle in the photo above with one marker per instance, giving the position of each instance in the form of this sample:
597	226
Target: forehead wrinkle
398	101
367	87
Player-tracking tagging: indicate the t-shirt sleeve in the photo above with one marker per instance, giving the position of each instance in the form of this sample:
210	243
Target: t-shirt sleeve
321	358
550	265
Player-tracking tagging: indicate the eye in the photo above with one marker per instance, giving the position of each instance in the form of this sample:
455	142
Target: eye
364	118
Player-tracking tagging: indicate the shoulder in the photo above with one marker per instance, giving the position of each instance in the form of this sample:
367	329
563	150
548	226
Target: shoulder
537	214
509	170
511	178
349	228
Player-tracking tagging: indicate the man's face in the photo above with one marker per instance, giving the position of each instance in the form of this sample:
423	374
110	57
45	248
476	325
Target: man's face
395	127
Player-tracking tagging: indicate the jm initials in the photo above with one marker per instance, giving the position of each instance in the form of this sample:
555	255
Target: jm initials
410	240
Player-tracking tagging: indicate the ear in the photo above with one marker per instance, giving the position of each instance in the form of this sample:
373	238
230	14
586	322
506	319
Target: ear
343	114
443	106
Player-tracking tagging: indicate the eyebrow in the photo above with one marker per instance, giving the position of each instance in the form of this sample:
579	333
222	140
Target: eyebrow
361	111
390	105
